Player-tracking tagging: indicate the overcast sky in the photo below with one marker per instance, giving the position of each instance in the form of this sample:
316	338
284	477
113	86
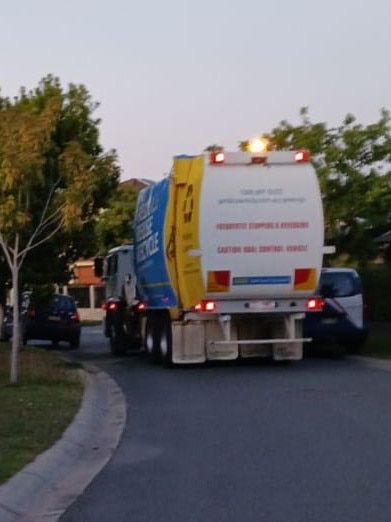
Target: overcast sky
174	76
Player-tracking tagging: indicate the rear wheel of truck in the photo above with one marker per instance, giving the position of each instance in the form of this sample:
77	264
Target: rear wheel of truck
116	338
165	339
152	336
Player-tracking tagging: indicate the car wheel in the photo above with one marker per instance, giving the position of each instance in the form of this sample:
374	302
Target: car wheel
74	343
355	348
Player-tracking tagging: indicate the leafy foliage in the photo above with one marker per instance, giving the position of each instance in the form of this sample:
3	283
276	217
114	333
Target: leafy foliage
353	163
114	226
213	148
54	179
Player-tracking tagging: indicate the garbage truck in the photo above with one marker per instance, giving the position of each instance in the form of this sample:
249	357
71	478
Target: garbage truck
225	258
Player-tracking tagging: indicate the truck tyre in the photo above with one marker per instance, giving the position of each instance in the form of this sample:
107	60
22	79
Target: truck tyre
116	338
165	340
152	336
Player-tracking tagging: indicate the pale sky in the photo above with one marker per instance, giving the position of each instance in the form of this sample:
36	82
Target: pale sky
175	76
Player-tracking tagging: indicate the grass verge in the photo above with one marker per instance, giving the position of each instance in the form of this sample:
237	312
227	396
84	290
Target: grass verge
379	341
35	412
91	322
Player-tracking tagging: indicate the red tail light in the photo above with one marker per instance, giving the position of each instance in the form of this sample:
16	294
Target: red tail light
205	306
141	307
103	306
315	304
302	156
217	157
111	306
75	317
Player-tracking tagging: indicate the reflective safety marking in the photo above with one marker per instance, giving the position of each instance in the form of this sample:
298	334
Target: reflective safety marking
262	280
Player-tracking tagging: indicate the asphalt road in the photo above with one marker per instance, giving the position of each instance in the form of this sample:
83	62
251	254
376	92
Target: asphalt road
306	442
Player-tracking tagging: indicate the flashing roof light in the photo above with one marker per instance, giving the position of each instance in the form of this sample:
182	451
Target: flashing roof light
217	157
302	156
257	145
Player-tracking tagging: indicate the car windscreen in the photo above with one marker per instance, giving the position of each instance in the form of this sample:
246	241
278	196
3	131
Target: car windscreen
63	303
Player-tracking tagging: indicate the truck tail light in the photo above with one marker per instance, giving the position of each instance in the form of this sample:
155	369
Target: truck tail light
302	156
315	304
205	306
217	158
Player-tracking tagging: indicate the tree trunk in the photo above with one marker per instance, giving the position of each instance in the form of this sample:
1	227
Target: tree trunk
2	310
15	327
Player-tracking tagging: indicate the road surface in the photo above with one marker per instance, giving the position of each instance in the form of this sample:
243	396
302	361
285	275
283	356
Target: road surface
306	442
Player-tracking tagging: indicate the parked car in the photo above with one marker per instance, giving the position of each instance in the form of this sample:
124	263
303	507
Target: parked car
341	323
6	324
57	321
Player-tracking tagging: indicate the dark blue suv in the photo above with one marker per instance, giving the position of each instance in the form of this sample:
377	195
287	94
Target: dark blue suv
341	322
56	321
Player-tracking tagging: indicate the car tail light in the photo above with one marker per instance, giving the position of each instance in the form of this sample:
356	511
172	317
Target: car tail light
75	317
104	306
112	306
141	307
205	306
315	304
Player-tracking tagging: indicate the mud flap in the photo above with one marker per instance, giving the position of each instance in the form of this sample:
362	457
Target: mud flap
221	331
188	343
291	328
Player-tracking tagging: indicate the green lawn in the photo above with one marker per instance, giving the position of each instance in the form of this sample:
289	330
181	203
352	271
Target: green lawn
379	341
35	412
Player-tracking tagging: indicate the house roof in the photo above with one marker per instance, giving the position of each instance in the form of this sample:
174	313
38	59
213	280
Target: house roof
136	183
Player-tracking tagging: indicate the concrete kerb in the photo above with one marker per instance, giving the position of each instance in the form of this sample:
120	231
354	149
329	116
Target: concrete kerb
46	487
379	364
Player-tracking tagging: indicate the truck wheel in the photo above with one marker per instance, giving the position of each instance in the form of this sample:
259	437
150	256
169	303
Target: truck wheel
165	340
116	340
152	337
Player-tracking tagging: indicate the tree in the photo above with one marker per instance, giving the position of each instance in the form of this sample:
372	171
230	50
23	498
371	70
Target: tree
114	225
213	148
76	124
353	163
54	176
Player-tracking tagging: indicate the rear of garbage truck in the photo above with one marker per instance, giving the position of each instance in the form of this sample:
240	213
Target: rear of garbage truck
228	253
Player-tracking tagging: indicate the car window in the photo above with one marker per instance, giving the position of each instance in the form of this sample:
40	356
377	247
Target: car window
337	284
62	302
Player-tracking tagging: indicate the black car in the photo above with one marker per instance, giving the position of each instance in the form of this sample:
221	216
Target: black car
56	321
